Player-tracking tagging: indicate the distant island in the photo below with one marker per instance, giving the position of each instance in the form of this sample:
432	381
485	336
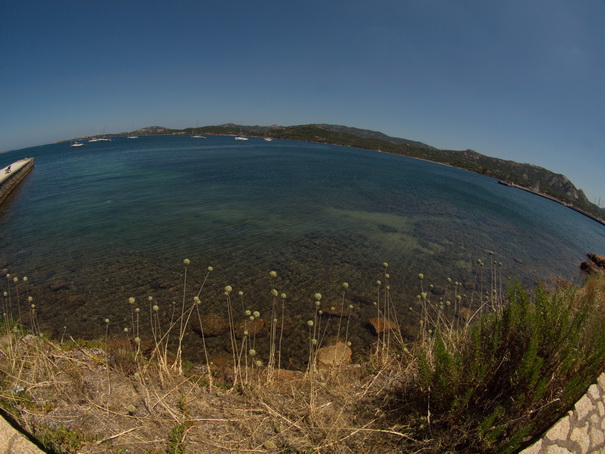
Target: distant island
535	179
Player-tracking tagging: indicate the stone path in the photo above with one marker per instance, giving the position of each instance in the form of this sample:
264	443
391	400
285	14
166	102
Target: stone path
13	442
581	431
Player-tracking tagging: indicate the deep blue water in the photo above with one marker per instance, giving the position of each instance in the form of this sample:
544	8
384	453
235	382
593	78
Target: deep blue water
115	219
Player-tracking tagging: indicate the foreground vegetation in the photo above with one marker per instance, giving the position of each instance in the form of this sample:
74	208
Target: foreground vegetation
490	380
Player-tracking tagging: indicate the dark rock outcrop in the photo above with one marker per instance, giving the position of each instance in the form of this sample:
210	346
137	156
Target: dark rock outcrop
594	264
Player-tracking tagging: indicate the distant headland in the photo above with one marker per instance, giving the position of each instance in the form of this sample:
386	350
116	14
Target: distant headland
535	179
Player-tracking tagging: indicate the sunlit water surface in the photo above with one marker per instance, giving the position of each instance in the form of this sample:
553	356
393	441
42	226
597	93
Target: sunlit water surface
93	226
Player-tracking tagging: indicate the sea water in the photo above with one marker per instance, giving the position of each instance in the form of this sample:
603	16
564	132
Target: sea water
95	225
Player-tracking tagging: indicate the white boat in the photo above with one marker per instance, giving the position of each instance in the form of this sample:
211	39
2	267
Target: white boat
240	138
268	139
197	136
76	144
133	137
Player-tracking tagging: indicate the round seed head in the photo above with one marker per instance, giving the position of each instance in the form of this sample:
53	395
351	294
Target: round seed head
186	262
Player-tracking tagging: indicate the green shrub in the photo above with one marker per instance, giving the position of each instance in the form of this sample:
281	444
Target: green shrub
507	377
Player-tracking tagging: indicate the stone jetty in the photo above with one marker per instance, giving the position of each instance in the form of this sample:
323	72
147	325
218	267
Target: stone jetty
12	175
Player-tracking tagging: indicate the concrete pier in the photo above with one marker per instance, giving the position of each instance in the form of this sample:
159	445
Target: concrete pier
12	175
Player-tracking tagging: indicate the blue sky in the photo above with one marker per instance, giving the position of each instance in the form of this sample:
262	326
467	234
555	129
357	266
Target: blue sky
515	79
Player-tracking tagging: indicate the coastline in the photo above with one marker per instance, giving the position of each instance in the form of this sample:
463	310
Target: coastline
554	199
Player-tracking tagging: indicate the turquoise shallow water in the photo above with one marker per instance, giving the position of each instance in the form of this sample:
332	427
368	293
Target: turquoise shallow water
115	219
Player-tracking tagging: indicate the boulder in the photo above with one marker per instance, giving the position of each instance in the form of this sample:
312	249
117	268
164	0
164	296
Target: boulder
598	260
594	264
381	324
334	355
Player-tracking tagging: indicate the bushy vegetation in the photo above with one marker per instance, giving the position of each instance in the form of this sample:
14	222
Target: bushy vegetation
508	376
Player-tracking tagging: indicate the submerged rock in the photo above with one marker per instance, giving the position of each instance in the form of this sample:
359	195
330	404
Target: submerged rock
256	327
212	325
58	285
338	309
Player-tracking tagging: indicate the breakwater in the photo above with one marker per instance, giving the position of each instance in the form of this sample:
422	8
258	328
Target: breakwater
12	175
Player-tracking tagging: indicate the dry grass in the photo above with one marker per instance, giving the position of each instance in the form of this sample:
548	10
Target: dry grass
68	398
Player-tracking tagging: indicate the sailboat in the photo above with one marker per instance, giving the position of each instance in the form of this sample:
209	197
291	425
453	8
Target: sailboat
132	135
197	136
